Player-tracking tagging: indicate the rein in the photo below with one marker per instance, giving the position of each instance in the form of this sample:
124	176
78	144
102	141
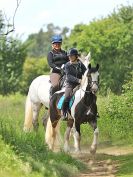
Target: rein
89	91
86	91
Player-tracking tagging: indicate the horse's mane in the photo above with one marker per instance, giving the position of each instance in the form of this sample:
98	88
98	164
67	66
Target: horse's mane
84	80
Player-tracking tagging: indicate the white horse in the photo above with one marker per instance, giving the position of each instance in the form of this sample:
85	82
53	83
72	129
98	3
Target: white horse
38	95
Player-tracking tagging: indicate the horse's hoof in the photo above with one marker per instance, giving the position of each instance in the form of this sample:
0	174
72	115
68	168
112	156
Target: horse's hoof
93	151
27	130
66	150
36	126
77	151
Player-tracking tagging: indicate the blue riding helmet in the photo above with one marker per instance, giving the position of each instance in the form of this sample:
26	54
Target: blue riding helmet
56	39
73	51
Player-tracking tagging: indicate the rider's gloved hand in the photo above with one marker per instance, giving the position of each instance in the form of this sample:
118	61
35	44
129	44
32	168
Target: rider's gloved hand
62	71
58	68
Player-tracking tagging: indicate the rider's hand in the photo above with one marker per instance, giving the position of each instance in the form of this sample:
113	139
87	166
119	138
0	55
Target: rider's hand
62	71
58	68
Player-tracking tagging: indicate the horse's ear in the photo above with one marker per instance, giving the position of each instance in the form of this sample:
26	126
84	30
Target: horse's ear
97	67
88	57
89	66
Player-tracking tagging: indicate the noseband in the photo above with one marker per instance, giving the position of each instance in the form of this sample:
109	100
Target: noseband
91	82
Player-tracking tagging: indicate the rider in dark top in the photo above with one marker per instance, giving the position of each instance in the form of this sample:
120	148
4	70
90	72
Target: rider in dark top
74	70
56	58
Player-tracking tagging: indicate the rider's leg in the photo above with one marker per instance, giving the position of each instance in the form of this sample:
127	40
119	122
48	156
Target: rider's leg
54	78
68	94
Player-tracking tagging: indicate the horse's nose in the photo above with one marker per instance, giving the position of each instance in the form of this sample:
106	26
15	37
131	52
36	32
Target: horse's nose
94	88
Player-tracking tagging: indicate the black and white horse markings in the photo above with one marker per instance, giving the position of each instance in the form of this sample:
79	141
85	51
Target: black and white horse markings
83	110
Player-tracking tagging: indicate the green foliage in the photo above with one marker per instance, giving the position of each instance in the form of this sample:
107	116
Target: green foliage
27	154
12	57
32	68
39	44
126	167
117	114
110	42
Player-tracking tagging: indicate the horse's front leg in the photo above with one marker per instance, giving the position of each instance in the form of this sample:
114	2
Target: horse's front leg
67	134
95	137
77	137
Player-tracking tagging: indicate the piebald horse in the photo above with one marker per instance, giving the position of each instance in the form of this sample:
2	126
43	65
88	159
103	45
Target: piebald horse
38	95
83	110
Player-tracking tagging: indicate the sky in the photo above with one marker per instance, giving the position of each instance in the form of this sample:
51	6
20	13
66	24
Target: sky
32	15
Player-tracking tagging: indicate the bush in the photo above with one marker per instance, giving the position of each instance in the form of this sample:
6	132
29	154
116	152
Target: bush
12	57
117	115
33	68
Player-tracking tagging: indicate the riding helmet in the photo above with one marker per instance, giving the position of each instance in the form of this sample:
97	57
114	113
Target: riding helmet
56	39
73	51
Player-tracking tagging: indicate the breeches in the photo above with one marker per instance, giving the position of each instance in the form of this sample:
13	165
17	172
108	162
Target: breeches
54	78
68	92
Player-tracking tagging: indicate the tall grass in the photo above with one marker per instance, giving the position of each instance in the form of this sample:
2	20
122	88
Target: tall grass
27	154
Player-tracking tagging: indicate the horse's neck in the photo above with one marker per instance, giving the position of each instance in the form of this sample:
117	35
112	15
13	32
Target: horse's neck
89	98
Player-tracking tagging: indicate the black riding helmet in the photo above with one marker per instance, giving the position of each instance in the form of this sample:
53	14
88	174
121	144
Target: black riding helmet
73	51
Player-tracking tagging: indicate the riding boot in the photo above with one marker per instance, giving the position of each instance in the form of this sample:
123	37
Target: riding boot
65	109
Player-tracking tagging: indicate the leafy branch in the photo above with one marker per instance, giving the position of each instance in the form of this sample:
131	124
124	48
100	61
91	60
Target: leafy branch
11	27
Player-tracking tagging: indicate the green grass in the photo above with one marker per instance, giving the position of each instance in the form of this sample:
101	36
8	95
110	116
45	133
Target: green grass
27	155
126	165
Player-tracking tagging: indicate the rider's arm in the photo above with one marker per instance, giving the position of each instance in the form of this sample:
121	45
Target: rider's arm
50	60
69	77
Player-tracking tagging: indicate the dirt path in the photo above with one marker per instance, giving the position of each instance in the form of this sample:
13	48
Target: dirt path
101	165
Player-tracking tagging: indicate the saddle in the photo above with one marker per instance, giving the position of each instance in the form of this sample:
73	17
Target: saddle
61	100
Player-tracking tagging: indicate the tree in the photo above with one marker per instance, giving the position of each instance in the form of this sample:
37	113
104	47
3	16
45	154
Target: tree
39	44
31	69
110	42
9	25
12	56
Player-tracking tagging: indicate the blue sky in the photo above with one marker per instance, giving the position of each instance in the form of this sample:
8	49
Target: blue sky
35	14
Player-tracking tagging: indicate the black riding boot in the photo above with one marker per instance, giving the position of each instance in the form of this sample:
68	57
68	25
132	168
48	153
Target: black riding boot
65	109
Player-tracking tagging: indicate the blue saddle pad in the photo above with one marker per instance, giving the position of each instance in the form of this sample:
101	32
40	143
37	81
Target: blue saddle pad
61	101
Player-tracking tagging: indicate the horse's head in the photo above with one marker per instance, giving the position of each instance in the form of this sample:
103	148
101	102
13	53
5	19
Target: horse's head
93	78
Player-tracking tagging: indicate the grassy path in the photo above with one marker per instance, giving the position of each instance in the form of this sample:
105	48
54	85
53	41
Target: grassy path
108	162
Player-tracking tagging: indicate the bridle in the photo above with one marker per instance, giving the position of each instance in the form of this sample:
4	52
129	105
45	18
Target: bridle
91	83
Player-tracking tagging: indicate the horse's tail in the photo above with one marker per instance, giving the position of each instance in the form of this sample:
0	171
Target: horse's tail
28	114
52	136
